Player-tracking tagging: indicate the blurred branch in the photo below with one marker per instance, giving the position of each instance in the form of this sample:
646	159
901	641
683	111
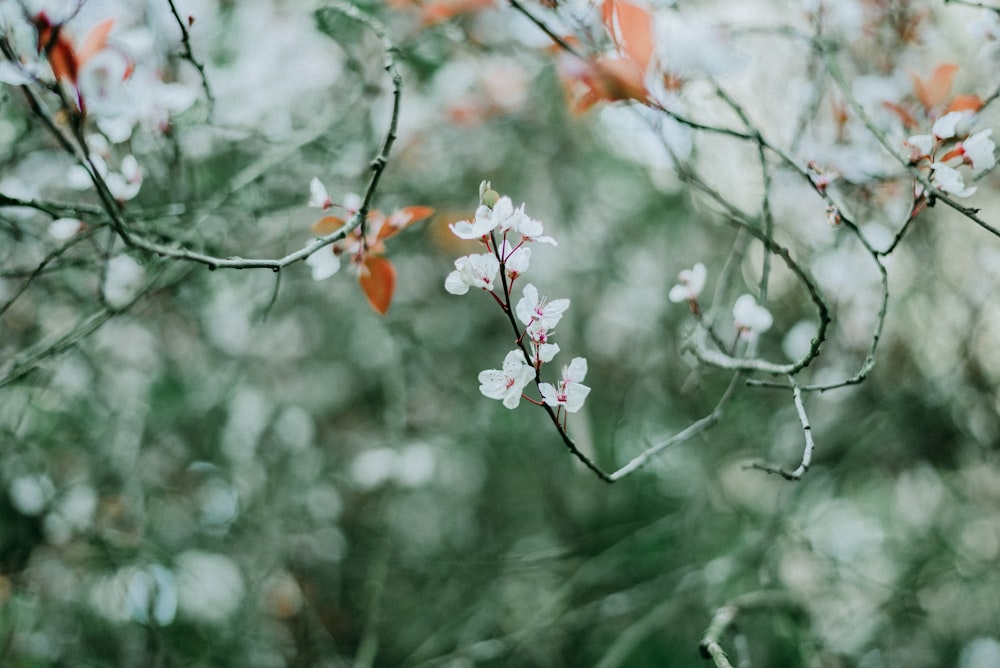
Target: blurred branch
973	3
188	54
686	434
40	267
809	446
725	618
54	209
133	239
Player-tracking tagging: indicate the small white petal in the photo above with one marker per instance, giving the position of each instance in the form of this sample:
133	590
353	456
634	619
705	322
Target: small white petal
324	263
318	197
64	228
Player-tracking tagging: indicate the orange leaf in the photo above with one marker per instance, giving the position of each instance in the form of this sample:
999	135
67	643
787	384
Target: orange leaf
442	10
378	280
95	40
933	92
326	225
63	59
401	219
631	28
909	122
969	102
604	79
619	79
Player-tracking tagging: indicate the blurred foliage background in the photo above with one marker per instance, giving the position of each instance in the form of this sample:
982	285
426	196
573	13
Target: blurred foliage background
247	468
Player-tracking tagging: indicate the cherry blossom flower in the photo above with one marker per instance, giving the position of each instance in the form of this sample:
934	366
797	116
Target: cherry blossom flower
125	183
531	229
951	124
324	263
533	309
123	279
950	180
506	384
515	258
318	197
920	146
692	282
750	317
978	151
65	228
478	271
568	392
541	349
484	222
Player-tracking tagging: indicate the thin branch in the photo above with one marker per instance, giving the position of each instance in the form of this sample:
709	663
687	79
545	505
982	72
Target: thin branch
40	267
686	434
134	240
934	192
188	55
810	445
541	25
725	617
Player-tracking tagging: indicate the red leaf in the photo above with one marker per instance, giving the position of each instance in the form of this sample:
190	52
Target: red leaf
933	92
63	59
326	225
909	122
403	218
970	102
587	83
95	40
439	11
631	28
378	280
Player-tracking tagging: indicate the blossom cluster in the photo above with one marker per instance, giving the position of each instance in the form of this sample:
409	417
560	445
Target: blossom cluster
364	245
950	145
111	82
506	234
749	318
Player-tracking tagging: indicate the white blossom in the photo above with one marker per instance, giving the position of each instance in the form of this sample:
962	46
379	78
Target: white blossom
750	317
479	271
950	180
692	282
506	384
534	309
569	391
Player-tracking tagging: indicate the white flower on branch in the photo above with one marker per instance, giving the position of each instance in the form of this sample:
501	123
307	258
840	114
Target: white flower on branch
952	124
529	228
541	349
515	258
692	282
506	384
750	317
978	151
123	279
532	309
568	392
318	196
950	180
64	228
920	146
485	221
324	263
473	271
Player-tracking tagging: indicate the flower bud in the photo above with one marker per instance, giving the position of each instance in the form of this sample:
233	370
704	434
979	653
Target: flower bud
489	197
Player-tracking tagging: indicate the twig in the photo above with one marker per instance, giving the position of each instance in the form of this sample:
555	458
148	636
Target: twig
725	617
188	55
686	434
807	452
